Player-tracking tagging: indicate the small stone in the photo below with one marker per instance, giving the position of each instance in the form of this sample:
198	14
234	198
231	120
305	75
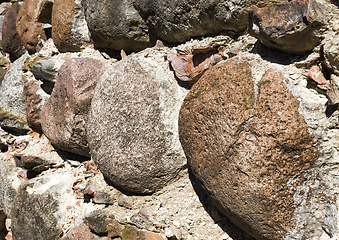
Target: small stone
96	221
104	198
122	202
45	70
81	231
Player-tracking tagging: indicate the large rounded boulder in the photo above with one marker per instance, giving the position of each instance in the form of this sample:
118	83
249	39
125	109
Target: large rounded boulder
251	149
132	128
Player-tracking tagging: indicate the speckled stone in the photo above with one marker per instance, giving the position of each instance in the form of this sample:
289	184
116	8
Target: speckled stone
244	142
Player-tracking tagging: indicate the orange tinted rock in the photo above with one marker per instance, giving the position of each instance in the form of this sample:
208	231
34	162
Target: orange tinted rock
65	16
27	26
244	147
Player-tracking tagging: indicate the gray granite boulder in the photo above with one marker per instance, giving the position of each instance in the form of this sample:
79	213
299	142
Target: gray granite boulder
132	128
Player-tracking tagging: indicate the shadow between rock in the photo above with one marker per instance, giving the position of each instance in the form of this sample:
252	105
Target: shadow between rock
224	223
276	56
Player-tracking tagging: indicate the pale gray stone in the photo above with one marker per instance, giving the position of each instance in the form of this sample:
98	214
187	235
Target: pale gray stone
12	102
45	70
132	129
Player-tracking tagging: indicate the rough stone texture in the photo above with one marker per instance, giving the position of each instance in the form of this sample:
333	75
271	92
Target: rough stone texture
36	94
27	26
128	232
96	221
12	102
32	100
2	74
331	51
291	27
39	206
178	21
116	25
245	145
132	128
11	42
79	232
45	70
9	184
64	116
69	30
4	6
3	231
38	154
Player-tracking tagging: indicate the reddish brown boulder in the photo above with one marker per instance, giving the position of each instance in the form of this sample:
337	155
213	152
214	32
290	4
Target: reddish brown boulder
11	42
64	116
244	146
27	26
290	26
32	100
69	30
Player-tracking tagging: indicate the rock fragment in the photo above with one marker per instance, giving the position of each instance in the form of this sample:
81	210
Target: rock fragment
291	26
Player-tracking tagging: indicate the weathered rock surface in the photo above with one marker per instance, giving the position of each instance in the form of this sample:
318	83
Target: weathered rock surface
3	10
180	20
11	42
9	183
69	30
64	116
81	231
27	25
331	51
39	206
12	102
45	70
246	146
116	25
291	27
132	129
33	105
38	155
128	232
